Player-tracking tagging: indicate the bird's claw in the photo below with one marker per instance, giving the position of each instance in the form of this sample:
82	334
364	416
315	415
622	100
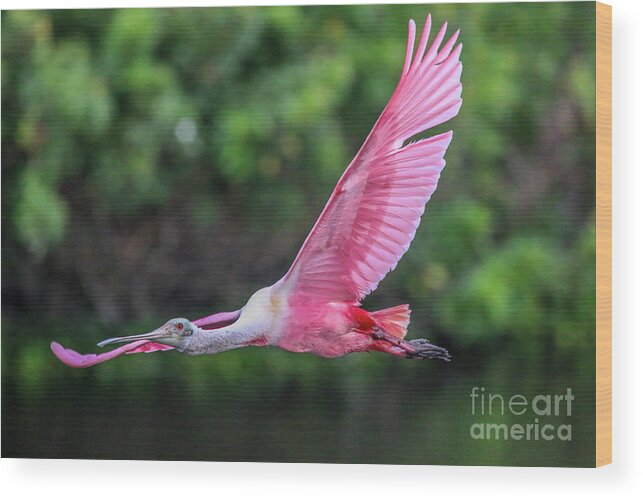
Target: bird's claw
424	349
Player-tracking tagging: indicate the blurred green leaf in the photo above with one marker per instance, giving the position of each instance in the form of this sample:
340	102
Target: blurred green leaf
41	214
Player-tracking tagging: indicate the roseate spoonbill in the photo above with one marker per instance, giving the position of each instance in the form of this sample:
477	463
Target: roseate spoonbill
363	231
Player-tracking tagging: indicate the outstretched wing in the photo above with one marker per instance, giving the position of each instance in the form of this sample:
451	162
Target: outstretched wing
375	208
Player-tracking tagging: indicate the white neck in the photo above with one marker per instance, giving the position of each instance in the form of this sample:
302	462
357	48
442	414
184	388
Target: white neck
253	326
209	341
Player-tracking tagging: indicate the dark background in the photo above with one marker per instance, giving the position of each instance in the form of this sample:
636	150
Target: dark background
164	163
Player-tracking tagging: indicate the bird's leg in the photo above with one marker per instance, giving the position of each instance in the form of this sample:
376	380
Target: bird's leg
399	343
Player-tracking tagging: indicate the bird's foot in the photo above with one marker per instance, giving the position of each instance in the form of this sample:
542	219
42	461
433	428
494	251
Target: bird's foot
424	349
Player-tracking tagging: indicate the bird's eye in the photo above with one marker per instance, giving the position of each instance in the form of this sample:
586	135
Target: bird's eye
179	326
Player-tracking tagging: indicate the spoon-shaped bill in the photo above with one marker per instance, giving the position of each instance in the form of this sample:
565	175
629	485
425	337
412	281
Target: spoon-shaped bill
72	358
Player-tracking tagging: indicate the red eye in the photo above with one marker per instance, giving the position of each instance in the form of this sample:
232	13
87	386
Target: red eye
179	326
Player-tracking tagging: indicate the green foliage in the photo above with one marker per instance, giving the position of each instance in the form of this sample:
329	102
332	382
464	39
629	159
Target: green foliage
199	145
508	290
41	214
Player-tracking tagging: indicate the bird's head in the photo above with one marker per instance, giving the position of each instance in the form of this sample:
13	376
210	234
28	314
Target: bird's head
174	333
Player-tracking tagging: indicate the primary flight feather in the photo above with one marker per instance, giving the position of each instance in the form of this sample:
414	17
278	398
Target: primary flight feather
366	226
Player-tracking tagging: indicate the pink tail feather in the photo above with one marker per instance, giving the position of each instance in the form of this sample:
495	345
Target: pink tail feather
394	320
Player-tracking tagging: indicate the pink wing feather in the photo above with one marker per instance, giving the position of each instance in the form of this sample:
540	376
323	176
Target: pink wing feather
375	208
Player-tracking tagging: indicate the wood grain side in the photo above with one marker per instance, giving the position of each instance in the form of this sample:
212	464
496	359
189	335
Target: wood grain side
603	234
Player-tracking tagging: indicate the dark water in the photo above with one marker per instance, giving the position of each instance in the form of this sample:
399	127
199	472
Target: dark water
269	405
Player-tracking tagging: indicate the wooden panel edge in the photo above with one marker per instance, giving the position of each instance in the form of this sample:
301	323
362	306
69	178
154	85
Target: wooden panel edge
603	234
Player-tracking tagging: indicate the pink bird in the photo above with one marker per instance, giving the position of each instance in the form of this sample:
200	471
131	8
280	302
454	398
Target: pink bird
366	226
